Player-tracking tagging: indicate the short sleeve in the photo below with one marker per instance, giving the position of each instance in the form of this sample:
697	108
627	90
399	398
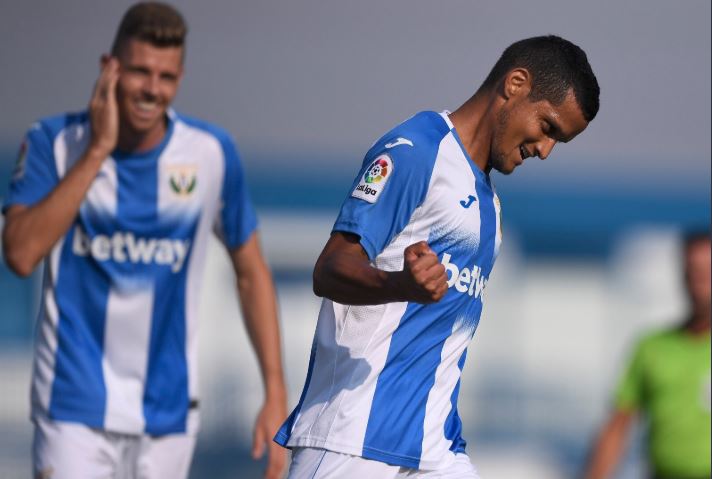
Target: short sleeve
629	395
237	218
391	184
35	173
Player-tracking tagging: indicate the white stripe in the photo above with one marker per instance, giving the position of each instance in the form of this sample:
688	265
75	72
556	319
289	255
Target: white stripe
438	406
126	344
46	336
67	147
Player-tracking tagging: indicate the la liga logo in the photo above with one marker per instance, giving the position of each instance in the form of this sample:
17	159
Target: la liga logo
378	171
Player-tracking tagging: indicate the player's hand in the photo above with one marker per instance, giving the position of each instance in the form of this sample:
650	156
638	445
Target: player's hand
268	421
425	278
103	108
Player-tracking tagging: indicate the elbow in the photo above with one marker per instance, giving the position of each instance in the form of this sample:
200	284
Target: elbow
320	280
17	260
18	265
317	282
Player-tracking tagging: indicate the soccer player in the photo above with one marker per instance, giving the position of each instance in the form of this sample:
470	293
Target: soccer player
119	201
668	380
406	265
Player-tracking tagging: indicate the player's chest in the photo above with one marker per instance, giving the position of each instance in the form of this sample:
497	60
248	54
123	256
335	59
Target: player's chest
676	368
135	192
461	208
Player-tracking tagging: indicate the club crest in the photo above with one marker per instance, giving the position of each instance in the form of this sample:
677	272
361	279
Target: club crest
183	179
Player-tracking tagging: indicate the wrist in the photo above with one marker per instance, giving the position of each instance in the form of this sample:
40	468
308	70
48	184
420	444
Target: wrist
275	390
97	151
393	285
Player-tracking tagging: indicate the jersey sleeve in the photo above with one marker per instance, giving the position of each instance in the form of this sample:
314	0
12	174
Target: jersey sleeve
236	219
391	184
35	173
629	395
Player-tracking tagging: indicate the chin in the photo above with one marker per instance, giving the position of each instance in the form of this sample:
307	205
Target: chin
142	126
504	169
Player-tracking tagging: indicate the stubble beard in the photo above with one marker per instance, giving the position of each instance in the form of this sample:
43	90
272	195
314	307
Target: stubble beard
497	156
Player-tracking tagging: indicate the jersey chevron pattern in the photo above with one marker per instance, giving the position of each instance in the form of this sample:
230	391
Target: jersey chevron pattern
383	380
116	335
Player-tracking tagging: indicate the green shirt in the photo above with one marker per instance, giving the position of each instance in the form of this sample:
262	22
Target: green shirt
669	380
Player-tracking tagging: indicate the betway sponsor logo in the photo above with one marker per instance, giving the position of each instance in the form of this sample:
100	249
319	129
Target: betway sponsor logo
470	281
122	247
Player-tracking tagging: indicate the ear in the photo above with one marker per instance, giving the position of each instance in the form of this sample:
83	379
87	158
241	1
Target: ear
516	83
104	59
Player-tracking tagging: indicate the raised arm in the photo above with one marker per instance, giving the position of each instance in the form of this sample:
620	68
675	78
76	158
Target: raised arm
343	273
31	231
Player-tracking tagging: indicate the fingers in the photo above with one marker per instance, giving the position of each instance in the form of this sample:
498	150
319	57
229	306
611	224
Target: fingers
106	83
258	443
428	274
276	461
103	109
112	78
418	249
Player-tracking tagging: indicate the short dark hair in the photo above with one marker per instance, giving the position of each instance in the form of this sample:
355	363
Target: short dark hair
157	23
556	65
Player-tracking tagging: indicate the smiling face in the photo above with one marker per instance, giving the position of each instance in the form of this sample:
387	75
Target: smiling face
524	129
148	81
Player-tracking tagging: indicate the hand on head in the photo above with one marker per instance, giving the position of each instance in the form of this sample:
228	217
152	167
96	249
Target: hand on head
103	109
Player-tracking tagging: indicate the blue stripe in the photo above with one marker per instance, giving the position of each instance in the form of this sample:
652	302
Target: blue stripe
453	424
394	433
488	224
166	399
78	390
282	436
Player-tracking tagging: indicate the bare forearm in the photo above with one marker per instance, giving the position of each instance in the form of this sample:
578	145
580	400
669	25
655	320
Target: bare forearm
30	233
257	297
609	447
350	279
343	273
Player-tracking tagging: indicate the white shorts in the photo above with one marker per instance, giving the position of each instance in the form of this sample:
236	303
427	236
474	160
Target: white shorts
312	463
67	450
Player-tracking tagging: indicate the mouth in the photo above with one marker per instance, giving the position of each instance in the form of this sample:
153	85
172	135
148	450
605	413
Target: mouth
523	153
146	109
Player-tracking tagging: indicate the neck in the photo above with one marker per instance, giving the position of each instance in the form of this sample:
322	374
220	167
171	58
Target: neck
699	322
132	141
473	122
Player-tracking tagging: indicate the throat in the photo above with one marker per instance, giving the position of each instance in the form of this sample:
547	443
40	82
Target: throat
132	141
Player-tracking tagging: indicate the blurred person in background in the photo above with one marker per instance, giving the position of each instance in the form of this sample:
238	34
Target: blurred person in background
119	201
404	270
668	382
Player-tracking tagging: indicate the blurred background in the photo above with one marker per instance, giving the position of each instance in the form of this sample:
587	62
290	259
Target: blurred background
591	236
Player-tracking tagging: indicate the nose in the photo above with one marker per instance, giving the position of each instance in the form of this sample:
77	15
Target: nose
544	147
150	86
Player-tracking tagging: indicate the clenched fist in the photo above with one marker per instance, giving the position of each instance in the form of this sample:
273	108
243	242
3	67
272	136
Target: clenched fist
424	277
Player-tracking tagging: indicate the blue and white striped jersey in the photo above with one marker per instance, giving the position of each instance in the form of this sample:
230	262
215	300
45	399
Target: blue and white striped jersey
116	335
383	380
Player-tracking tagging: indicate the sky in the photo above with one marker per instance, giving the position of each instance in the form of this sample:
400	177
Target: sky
317	82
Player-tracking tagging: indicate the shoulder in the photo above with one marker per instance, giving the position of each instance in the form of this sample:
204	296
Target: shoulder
48	128
652	341
210	129
415	140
